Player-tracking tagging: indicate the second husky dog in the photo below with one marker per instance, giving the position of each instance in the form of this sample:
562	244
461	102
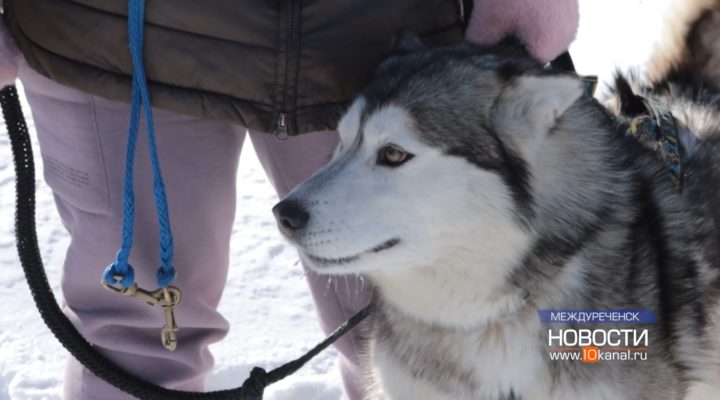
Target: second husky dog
474	187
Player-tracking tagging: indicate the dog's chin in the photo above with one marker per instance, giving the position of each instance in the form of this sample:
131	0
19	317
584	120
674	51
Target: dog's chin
358	263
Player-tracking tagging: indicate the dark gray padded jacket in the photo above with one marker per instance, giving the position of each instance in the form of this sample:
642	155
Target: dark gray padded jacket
283	66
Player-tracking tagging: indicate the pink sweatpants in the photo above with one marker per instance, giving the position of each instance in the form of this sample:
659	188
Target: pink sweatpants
82	142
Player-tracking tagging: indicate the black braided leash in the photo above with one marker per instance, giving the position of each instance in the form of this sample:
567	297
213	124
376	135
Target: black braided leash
60	325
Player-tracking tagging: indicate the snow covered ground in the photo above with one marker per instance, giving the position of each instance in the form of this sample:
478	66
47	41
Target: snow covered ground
266	300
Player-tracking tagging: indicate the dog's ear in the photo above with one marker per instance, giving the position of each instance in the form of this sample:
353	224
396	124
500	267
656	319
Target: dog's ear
406	42
631	105
537	101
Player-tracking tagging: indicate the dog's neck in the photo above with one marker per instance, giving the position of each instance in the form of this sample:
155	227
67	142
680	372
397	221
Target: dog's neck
448	295
465	297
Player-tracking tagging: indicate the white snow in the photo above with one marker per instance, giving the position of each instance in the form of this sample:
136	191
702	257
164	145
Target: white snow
266	300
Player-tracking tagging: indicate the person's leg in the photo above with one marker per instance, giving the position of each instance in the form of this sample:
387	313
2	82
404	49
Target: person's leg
82	142
288	163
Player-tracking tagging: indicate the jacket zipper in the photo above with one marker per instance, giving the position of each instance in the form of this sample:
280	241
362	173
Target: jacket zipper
281	130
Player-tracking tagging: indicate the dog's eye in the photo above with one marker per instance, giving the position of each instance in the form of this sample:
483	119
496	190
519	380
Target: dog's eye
392	156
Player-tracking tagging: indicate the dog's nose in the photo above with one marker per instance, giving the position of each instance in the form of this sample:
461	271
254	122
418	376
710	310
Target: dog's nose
290	216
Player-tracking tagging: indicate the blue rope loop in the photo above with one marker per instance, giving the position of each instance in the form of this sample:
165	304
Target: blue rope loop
140	99
165	277
113	276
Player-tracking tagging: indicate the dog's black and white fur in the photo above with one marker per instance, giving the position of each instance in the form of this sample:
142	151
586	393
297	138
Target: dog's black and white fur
473	187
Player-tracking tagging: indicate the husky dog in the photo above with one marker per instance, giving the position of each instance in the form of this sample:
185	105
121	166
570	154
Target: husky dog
474	187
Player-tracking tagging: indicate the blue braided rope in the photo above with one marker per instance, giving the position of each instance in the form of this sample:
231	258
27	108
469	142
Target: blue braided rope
121	267
166	272
140	98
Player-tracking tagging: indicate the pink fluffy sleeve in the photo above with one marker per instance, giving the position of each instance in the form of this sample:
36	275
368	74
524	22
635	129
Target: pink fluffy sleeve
546	27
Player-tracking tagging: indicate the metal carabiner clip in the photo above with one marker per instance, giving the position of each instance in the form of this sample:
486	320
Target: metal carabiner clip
171	297
167	297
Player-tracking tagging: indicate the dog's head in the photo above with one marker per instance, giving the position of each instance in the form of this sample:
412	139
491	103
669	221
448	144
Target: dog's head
434	164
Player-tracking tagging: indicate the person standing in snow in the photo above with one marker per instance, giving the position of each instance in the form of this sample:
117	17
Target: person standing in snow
282	71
